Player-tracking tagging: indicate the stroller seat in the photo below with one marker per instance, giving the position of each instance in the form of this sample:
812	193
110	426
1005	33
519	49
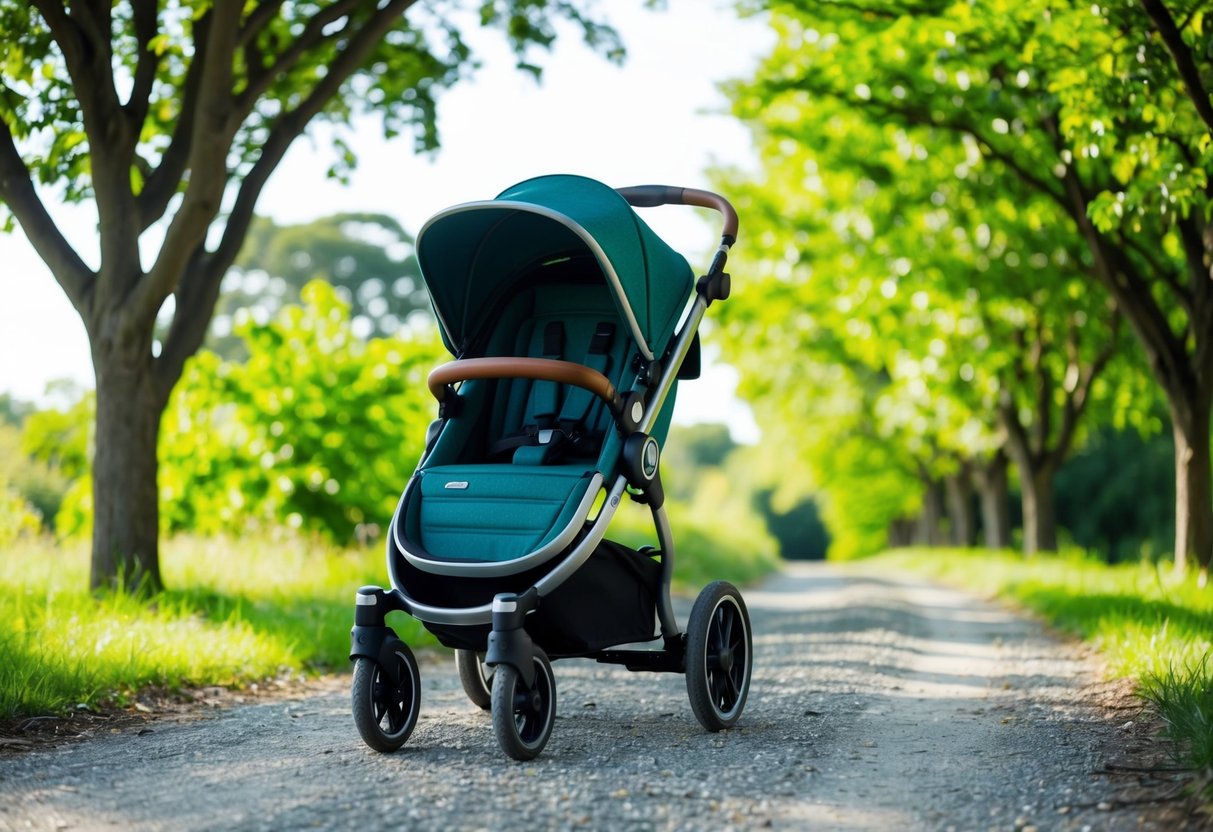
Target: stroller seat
496	512
515	496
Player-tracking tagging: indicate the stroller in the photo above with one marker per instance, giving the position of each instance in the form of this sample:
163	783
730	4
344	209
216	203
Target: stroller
562	309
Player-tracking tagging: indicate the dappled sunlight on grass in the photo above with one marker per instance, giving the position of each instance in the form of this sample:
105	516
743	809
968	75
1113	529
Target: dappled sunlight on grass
235	611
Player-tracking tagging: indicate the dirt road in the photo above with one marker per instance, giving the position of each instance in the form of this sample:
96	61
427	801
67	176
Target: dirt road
878	702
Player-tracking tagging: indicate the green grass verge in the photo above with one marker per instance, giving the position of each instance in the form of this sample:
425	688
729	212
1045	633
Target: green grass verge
1152	626
235	612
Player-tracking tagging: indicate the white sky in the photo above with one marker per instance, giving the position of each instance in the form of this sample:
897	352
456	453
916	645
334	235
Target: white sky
658	119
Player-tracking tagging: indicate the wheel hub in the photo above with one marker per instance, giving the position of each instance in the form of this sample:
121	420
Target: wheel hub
726	660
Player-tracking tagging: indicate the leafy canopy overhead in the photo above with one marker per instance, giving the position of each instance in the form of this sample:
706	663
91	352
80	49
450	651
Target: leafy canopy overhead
281	73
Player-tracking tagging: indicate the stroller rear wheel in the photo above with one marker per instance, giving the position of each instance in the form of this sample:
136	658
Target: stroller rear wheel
719	656
522	716
385	711
476	677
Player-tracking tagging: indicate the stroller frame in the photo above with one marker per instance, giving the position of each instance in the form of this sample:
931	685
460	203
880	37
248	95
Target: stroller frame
716	660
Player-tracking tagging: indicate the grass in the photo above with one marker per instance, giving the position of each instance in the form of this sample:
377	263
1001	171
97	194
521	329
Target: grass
1183	698
1151	626
235	612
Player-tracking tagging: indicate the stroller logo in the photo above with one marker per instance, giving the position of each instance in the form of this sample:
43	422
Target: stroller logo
457	485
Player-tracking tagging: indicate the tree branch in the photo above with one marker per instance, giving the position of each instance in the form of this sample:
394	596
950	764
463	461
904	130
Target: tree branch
1018	447
257	21
1076	402
1173	39
161	186
18	194
200	284
292	124
207	164
144	15
1162	270
919	118
65	32
260	78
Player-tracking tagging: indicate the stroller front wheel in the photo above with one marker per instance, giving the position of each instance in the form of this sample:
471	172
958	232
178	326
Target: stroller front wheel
385	710
719	656
522	716
476	677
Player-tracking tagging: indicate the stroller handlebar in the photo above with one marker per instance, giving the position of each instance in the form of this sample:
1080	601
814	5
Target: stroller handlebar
650	196
544	369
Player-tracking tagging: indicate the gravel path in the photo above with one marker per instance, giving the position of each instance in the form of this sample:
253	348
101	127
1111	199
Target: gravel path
878	702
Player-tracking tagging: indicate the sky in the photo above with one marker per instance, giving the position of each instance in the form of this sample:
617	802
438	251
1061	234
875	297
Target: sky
657	119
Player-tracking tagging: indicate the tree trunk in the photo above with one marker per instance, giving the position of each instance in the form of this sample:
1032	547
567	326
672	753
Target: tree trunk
126	516
960	507
929	522
1193	491
1039	514
991	480
901	533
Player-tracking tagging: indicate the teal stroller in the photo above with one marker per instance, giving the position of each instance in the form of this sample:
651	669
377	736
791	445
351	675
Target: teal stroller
571	323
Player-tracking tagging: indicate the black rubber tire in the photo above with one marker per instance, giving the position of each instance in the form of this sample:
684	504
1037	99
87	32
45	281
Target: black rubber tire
476	677
719	657
523	717
386	713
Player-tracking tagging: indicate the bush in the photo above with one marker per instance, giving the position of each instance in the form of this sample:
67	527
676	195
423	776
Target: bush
317	431
17	517
35	485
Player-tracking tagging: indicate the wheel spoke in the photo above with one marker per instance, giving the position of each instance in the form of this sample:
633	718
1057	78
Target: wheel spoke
730	684
726	637
717	682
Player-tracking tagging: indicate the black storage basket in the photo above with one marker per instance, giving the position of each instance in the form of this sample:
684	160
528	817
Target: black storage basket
610	600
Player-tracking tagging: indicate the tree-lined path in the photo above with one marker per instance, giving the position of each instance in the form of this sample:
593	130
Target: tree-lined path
879	702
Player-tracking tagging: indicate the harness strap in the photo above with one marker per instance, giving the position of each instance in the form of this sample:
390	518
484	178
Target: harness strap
545	395
579	404
554	432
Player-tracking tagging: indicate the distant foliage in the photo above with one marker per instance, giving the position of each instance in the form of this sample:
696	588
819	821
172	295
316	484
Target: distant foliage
17	517
57	446
1116	496
369	257
317	431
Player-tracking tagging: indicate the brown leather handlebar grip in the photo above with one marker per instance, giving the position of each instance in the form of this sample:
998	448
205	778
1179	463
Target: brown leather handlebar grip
650	196
543	369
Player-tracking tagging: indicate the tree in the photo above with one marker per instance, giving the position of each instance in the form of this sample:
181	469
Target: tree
942	290
170	118
1101	109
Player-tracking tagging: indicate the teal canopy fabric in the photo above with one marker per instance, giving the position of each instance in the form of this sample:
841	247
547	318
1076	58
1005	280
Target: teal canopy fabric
473	255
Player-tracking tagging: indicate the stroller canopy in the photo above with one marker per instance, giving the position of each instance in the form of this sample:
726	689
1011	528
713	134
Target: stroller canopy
472	256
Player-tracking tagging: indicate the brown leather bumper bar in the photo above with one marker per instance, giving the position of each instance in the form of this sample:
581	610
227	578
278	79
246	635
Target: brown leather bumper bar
545	369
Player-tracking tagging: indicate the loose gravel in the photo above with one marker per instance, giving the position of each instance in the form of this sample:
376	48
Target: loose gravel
878	702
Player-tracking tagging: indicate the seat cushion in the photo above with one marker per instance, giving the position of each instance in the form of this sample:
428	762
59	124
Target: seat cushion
496	512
